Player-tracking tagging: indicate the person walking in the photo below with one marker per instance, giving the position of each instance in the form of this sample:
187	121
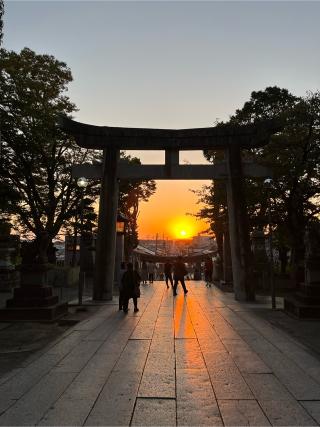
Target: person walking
151	272
130	287
168	273
122	271
179	271
208	271
155	272
144	273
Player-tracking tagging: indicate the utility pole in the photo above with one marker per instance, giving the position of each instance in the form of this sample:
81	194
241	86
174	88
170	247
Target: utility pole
156	250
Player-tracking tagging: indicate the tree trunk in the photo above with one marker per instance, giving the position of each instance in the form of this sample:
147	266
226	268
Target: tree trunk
74	242
283	250
219	239
42	243
297	262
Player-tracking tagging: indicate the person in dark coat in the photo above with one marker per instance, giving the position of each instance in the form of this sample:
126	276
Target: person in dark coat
130	287
144	273
168	273
208	271
179	271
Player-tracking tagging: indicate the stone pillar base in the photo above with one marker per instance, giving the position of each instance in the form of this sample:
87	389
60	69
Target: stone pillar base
304	304
33	300
301	308
9	279
34	314
223	285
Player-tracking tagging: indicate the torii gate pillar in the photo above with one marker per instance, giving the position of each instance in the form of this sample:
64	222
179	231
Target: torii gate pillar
238	227
106	239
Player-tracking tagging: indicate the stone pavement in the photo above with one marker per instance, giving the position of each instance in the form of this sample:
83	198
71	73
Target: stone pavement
203	359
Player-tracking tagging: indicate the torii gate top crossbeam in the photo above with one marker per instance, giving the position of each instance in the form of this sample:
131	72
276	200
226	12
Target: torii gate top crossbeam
103	137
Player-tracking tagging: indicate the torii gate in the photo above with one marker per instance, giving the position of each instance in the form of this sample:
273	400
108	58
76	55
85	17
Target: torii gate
230	138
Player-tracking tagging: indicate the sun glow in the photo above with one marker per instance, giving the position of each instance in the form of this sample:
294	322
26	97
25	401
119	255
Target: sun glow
182	228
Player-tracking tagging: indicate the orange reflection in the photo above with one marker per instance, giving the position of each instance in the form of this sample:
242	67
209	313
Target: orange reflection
182	323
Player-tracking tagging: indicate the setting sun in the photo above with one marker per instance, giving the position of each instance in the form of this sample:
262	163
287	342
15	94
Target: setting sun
182	228
165	212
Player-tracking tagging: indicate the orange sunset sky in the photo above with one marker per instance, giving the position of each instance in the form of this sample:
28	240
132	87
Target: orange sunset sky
167	211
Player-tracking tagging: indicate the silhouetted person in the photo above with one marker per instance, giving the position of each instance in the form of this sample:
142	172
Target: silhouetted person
151	268
137	268
168	273
179	271
130	287
122	271
144	272
208	271
155	272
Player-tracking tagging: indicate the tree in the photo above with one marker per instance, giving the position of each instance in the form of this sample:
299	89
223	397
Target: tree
4	190
214	210
293	154
36	155
1	20
131	194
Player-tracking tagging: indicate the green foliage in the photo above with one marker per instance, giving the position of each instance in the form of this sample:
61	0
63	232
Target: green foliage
131	194
1	20
36	156
36	186
294	157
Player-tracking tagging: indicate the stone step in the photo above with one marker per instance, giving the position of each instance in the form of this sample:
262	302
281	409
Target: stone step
293	306
34	314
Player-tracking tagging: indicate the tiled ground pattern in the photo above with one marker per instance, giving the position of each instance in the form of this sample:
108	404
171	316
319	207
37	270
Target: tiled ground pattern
203	359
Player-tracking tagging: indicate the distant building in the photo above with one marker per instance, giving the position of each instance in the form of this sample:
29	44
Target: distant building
179	246
202	242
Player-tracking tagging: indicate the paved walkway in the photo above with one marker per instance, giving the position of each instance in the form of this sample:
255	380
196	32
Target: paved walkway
203	359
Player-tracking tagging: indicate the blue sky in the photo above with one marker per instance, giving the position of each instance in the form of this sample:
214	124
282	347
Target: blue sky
171	64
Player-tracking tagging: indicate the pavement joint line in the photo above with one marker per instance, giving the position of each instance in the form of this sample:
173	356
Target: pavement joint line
145	362
155	398
70	331
273	373
78	373
204	311
196	305
106	380
286	336
46	373
112	369
205	364
287	355
26	391
175	355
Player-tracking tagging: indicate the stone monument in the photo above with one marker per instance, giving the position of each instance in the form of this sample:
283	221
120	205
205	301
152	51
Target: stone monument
261	263
9	247
33	300
305	303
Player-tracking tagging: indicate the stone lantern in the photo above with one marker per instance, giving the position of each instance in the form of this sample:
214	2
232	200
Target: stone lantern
120	230
9	277
260	257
